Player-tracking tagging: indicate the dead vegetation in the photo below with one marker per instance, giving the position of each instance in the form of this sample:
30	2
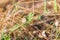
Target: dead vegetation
30	20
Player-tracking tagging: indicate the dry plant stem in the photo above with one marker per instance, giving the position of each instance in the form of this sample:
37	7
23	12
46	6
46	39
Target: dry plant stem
14	36
48	25
8	16
26	30
33	6
22	28
42	21
9	13
45	6
39	12
55	6
30	2
55	9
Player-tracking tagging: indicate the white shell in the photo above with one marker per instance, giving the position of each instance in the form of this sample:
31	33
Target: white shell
56	23
43	34
49	3
20	11
23	20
